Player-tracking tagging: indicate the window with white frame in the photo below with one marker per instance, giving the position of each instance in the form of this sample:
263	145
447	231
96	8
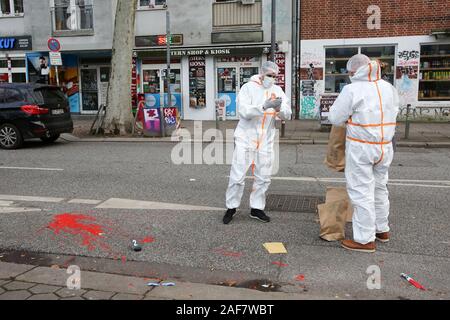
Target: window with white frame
151	4
13	69
72	15
11	7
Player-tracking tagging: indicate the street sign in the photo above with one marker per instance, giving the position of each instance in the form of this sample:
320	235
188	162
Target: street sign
54	45
55	59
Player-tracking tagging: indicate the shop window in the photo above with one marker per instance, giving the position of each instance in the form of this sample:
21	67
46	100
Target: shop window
72	15
434	78
19	78
11	7
17	72
336	74
386	56
151	4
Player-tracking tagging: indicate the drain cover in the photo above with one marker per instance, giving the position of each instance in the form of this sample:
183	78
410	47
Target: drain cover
293	203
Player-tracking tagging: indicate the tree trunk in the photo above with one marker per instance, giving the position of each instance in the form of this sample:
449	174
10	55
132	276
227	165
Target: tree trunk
119	117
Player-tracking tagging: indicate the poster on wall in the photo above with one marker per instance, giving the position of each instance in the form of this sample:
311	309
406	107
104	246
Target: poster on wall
197	82
280	60
40	71
326	101
230	103
68	76
39	67
134	83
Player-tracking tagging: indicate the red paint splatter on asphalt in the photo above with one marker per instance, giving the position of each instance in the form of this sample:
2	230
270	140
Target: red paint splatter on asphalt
78	225
279	263
228	253
300	277
147	240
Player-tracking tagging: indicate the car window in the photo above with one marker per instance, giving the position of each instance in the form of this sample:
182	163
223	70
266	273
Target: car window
49	95
2	95
12	95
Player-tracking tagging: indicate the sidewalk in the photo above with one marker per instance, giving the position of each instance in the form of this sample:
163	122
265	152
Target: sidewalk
28	282
296	132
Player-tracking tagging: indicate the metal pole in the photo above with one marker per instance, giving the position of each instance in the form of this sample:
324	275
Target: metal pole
169	95
298	26
57	76
273	35
294	56
407	121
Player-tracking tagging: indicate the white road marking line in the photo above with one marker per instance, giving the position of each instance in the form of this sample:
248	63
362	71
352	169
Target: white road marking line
417	185
85	201
17	210
28	168
29	198
6	203
115	203
392	182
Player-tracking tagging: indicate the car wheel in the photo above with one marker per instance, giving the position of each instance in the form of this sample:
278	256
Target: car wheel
51	138
10	137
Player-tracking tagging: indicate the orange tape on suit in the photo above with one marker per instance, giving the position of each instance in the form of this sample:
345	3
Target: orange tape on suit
381	124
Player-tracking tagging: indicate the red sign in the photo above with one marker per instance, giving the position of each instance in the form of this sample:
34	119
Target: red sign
54	45
134	82
280	60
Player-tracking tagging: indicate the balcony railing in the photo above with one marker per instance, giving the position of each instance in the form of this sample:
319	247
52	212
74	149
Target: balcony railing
235	14
72	19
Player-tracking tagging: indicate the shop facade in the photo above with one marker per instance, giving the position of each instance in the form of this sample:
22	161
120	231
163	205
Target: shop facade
13	61
411	40
418	66
201	75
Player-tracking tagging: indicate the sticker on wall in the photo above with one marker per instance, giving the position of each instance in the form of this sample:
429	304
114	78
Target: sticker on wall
230	103
152	100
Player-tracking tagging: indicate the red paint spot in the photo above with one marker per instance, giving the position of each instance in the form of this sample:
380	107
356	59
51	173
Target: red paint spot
77	224
279	263
300	277
124	259
229	253
147	240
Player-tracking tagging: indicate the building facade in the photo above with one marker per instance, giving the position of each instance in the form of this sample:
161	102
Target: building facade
410	39
216	47
84	29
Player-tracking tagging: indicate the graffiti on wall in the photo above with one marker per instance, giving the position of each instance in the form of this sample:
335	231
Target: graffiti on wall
406	75
309	108
406	57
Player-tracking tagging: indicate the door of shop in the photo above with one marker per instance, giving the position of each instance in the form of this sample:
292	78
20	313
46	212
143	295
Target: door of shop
154	86
94	87
231	76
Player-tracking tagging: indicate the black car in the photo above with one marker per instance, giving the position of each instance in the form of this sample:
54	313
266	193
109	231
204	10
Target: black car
32	111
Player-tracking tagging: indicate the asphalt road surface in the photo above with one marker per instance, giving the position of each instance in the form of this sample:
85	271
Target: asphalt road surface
84	202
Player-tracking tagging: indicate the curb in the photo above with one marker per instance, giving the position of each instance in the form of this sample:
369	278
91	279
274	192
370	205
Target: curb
401	144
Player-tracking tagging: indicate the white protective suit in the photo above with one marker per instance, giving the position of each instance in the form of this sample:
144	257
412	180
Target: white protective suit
369	105
254	142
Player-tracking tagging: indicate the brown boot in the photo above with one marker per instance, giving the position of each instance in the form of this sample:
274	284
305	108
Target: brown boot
356	246
382	236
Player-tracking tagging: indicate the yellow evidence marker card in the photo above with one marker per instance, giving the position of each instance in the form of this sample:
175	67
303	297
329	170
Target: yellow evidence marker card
275	247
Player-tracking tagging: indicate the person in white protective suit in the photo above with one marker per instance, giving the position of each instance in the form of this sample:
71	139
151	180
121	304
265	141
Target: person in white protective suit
369	106
260	102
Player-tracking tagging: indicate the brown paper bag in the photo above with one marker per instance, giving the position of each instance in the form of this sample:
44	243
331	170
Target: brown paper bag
332	220
335	158
340	194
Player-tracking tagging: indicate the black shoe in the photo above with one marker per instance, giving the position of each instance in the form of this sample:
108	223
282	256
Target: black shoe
260	215
229	216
